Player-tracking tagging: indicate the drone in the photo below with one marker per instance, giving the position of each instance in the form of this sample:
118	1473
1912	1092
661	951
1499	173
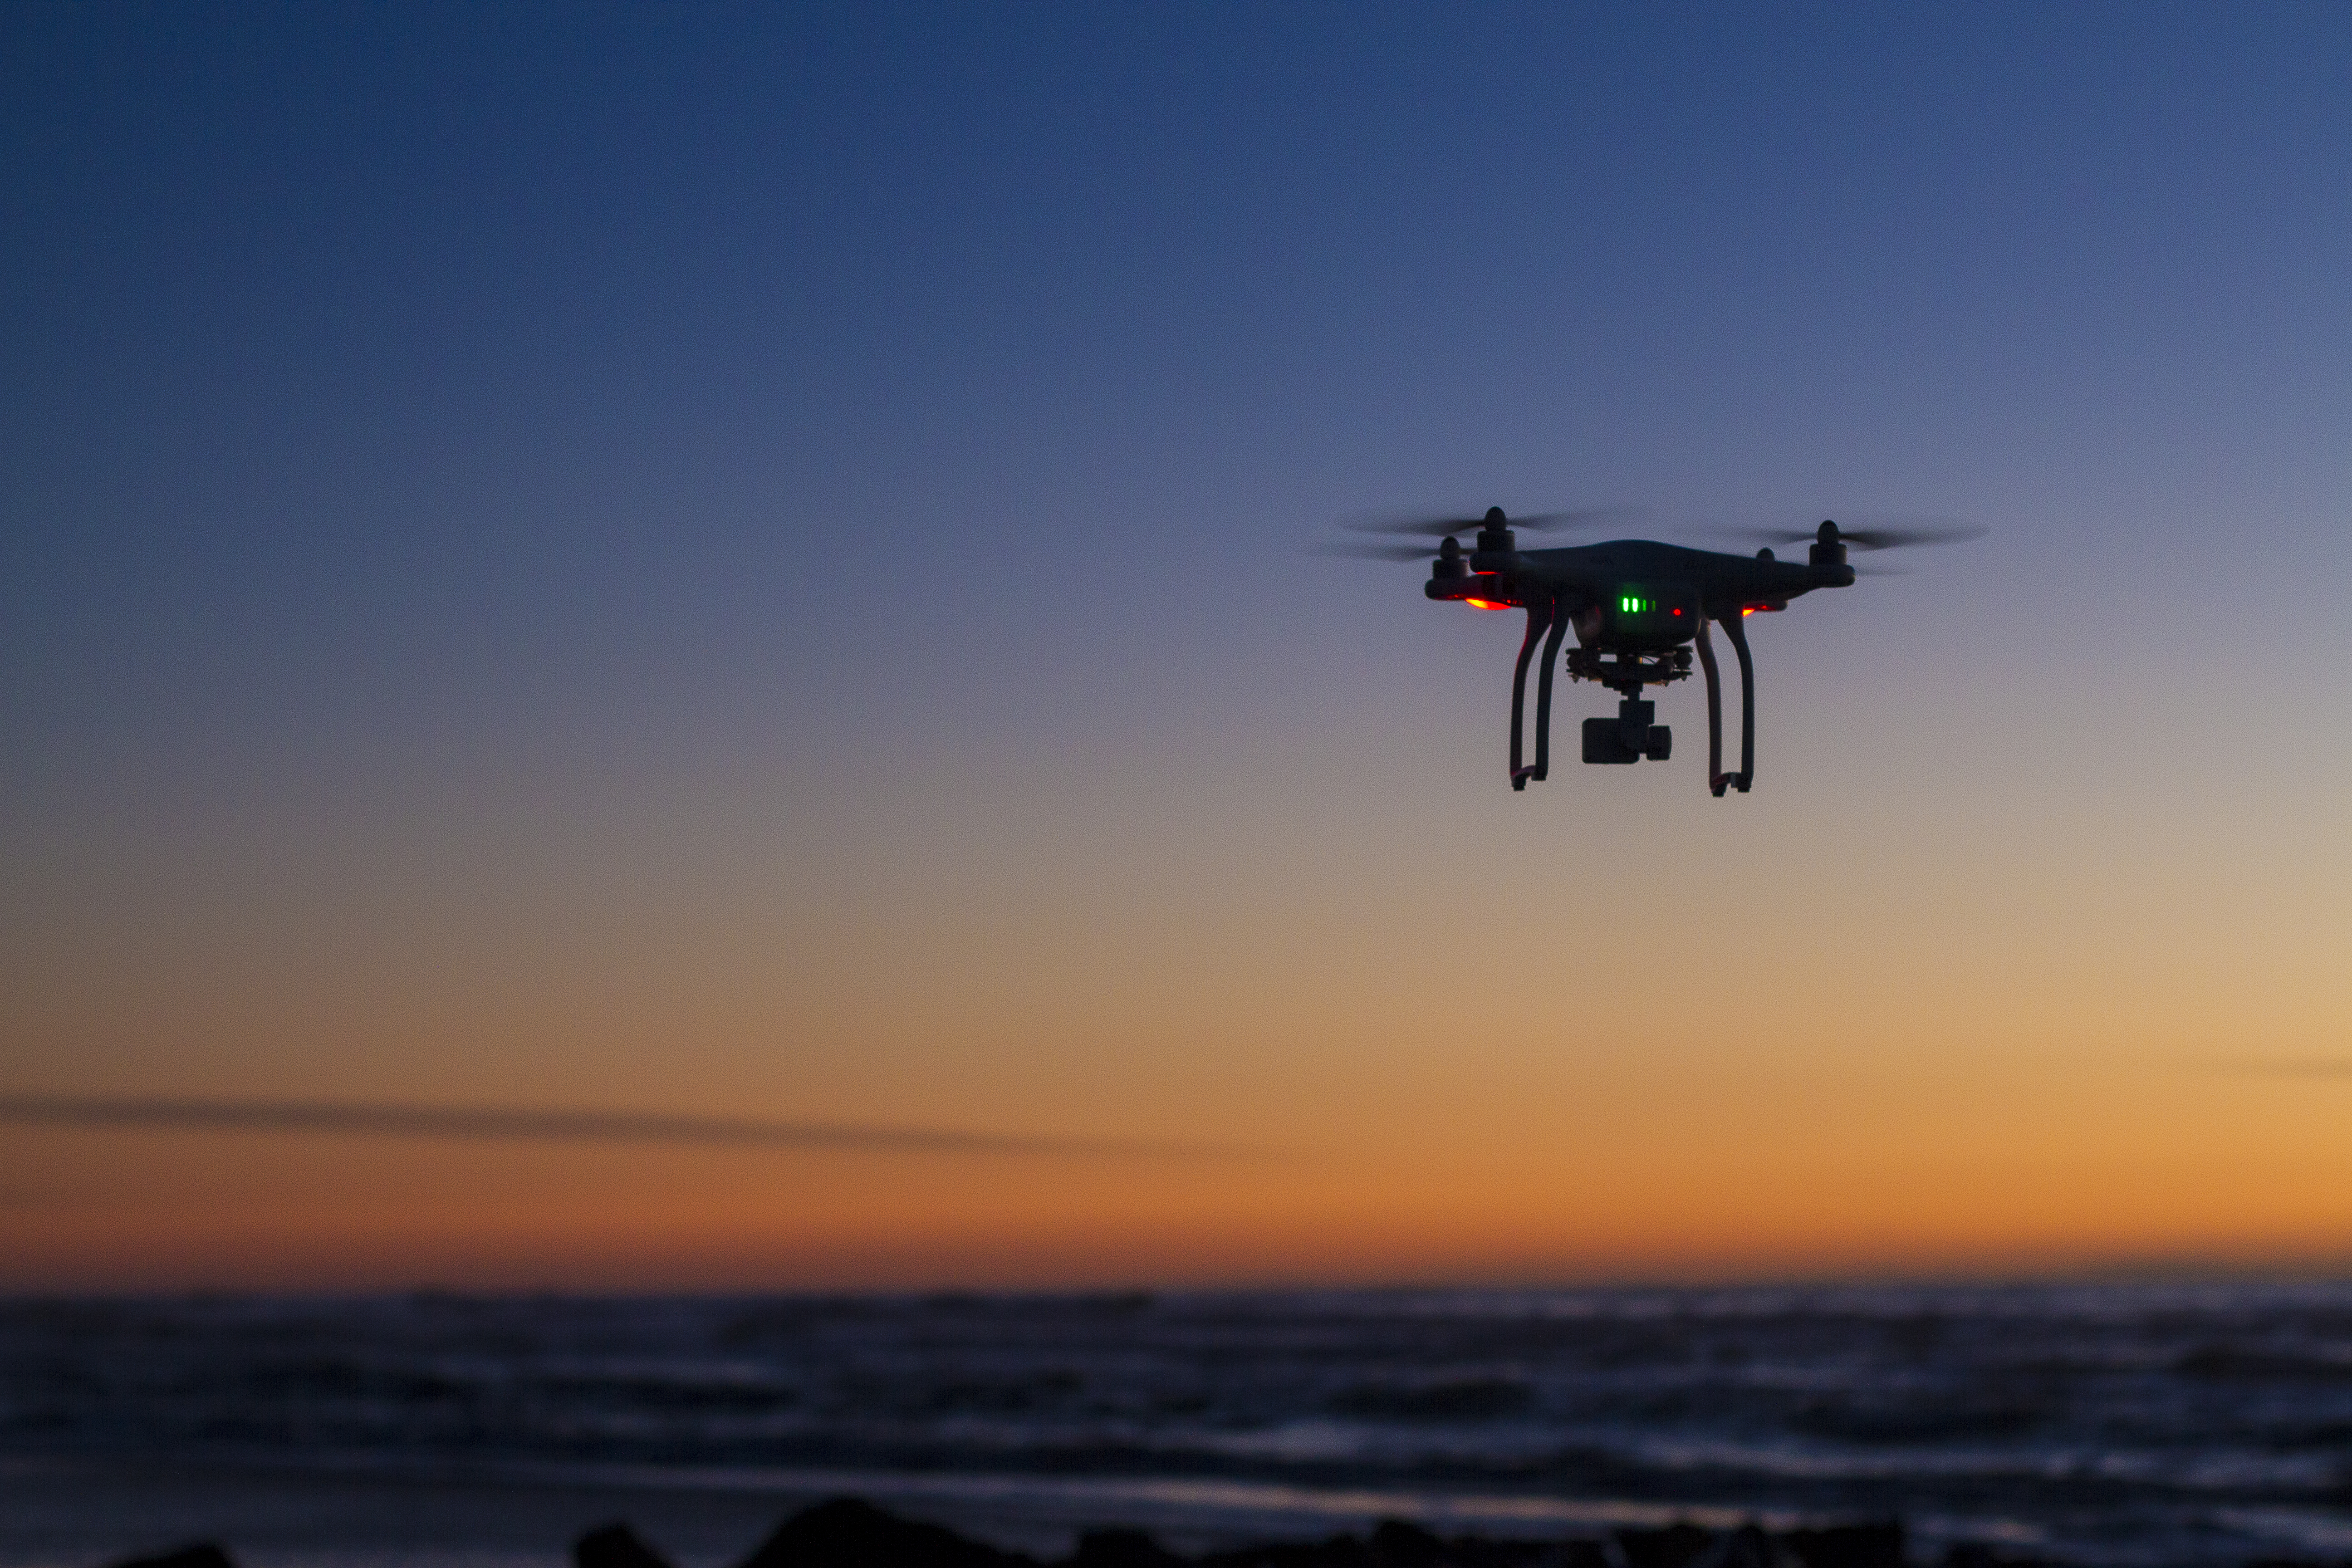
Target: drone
1638	609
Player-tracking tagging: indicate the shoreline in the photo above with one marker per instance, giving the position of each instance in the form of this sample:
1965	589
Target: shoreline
511	1505
350	1521
852	1532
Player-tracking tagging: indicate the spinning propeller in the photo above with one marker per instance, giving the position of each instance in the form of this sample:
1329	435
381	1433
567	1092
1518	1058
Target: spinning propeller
1927	530
1831	543
1450	526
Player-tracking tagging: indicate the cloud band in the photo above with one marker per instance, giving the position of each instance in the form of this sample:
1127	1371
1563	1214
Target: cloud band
513	1124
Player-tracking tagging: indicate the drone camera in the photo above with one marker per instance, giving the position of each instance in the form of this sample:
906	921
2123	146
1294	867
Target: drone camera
1605	742
1629	737
1603	745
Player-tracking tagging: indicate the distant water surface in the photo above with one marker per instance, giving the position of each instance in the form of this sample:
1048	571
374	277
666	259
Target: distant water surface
2125	1423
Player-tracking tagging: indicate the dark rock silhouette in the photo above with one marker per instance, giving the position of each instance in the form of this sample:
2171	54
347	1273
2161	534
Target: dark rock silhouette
1745	1547
1337	1552
1674	1546
1874	1545
1123	1549
615	1546
1397	1544
196	1554
850	1532
1975	1554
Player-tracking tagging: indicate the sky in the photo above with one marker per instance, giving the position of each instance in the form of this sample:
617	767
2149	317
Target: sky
609	574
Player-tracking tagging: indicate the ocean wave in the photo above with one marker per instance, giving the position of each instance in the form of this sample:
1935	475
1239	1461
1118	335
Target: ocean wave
2083	1412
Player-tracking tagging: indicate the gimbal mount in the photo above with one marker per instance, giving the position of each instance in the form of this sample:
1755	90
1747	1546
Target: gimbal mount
1624	672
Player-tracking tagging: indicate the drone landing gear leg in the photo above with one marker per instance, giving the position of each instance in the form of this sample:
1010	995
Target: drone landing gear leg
1539	617
1738	633
1543	691
1716	778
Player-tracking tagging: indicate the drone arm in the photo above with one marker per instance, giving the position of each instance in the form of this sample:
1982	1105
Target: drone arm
1538	616
1714	779
1738	633
1543	690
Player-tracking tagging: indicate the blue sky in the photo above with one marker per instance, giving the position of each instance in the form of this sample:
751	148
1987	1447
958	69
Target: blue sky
494	494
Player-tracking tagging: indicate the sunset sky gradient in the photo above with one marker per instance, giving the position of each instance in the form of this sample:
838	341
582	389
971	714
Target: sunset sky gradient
751	563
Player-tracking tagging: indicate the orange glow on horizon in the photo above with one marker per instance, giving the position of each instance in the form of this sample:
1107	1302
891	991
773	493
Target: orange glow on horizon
1196	958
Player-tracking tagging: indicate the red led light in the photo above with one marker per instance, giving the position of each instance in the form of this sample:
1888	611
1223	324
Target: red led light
1485	605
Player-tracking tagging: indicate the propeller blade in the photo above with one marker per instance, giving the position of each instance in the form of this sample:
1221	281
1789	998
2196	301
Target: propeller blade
1580	517
1370	552
1533	522
1895	536
1903	538
1432	526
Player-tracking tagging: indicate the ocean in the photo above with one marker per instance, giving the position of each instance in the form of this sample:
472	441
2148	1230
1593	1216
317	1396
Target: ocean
2122	1424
